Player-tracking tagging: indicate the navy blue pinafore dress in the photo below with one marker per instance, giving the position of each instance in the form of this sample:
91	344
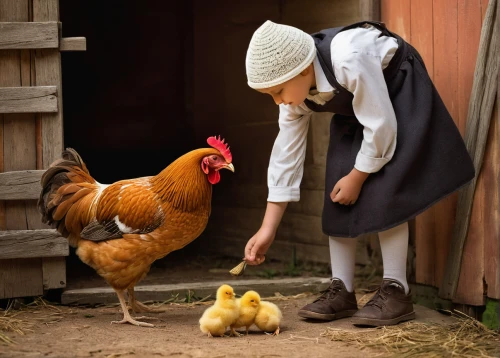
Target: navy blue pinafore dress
430	160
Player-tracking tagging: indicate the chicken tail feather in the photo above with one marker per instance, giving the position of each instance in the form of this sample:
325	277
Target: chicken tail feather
66	197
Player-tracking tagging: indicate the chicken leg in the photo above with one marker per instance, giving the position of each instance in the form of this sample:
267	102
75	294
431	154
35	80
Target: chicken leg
126	315
137	306
234	333
275	333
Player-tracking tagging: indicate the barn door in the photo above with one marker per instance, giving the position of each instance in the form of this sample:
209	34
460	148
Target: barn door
32	256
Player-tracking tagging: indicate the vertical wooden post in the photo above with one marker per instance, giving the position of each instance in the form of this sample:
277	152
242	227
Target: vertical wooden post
48	72
369	10
20	277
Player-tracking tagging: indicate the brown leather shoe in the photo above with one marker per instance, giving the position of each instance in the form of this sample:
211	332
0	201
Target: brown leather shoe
389	306
334	303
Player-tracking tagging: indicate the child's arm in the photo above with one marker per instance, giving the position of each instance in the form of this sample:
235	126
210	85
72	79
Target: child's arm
286	167
258	245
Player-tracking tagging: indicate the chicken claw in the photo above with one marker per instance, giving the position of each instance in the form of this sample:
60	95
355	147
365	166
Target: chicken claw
210	335
133	321
126	315
138	306
235	334
275	333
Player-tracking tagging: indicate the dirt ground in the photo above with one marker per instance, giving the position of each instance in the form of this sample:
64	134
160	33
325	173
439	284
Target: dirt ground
77	331
62	331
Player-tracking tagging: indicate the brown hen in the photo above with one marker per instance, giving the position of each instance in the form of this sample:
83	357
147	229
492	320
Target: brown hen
122	228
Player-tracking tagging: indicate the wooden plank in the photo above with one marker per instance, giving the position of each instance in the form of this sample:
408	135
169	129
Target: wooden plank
491	173
48	73
369	10
470	288
2	203
469	33
28	35
20	278
54	272
266	288
396	15
421	32
14	11
34	219
38	138
483	238
73	44
445	27
20	185
28	99
484	7
445	20
425	255
32	243
421	38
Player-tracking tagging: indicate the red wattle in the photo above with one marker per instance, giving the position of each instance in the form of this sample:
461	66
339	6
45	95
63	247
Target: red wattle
213	177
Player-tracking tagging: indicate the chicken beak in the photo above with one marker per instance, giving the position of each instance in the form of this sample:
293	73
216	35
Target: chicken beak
230	167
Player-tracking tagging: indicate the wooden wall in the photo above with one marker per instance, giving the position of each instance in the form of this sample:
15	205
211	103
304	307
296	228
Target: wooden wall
447	34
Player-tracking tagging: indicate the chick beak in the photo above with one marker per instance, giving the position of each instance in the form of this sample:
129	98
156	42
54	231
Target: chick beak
230	167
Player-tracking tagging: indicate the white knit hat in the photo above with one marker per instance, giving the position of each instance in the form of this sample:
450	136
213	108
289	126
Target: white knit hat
277	53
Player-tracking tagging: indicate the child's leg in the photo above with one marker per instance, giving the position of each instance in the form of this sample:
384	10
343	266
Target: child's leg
394	247
343	258
392	303
338	300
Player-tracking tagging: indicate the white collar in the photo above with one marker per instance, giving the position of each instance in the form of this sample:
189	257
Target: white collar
322	84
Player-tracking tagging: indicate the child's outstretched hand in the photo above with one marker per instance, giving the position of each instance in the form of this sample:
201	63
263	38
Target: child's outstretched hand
347	189
258	245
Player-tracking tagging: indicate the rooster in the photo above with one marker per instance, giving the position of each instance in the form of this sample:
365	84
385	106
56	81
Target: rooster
122	228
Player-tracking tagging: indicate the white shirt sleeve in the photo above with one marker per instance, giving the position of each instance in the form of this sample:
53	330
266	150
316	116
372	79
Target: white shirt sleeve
361	74
286	165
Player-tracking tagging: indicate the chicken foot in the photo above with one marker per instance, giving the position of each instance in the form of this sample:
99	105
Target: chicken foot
126	315
137	306
234	333
275	333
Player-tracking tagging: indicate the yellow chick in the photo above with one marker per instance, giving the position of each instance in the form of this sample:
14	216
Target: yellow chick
268	318
222	314
249	305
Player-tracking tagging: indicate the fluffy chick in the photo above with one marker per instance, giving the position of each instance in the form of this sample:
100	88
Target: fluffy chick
248	307
222	314
268	318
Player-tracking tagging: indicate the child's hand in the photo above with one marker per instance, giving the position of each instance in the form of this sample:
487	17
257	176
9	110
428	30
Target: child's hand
258	245
347	189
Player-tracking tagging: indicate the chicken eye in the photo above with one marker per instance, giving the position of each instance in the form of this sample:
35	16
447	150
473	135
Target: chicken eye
227	293
252	301
214	158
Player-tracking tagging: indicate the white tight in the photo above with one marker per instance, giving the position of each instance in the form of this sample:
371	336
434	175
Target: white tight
394	247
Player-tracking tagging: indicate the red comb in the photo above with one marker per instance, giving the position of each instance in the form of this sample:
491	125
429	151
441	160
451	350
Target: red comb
222	147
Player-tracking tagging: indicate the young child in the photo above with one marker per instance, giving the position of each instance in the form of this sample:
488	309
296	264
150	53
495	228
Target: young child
394	151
